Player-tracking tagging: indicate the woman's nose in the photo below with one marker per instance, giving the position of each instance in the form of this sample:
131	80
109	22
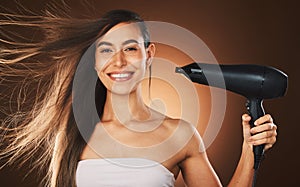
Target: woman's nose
119	59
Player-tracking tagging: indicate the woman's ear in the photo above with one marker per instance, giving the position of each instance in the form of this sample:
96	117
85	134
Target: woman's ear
150	53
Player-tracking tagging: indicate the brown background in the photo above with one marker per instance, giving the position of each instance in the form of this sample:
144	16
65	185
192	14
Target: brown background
260	32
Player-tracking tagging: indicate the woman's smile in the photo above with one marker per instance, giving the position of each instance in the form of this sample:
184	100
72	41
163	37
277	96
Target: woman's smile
120	76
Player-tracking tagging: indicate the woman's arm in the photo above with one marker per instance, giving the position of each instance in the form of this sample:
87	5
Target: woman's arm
196	168
197	171
264	133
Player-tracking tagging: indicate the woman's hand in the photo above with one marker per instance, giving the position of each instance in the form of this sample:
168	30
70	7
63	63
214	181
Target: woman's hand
264	131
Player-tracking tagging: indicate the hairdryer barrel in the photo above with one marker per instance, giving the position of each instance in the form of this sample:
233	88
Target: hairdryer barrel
251	81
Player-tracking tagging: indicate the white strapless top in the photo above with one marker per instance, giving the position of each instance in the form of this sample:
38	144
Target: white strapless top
123	172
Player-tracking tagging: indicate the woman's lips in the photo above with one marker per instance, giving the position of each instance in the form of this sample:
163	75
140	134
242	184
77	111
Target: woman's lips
120	76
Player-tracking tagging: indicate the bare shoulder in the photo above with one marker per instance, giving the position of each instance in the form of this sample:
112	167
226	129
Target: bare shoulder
187	134
174	123
192	159
183	127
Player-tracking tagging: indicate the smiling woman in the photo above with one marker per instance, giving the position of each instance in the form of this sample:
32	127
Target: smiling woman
131	144
123	56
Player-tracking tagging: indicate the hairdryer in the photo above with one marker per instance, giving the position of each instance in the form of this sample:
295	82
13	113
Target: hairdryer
254	82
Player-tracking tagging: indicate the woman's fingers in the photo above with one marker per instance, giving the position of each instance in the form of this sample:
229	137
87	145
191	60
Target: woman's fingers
268	137
268	146
246	126
264	119
263	127
264	132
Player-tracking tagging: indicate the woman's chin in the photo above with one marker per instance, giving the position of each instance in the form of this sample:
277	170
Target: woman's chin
122	90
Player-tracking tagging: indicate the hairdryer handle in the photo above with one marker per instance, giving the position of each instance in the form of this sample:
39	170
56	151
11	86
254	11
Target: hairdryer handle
255	109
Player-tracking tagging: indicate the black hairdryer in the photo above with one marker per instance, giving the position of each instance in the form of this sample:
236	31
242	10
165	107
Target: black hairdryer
254	82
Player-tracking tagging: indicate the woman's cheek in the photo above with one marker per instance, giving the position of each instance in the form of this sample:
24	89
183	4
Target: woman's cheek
99	64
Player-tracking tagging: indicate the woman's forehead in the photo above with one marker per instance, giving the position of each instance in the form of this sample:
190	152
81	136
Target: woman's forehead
122	32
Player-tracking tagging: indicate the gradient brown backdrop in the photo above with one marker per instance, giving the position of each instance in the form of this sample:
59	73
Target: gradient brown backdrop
260	32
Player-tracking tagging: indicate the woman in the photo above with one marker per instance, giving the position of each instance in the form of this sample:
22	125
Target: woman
79	152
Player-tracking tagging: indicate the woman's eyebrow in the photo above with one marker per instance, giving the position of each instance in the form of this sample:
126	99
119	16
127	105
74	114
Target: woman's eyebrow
104	43
124	43
130	41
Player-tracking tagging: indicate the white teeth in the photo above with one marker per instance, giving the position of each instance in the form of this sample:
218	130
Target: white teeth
120	75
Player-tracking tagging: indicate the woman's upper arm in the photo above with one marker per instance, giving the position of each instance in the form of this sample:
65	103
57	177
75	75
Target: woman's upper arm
196	168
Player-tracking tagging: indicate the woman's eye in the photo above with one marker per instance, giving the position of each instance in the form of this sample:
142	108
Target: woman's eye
106	50
130	49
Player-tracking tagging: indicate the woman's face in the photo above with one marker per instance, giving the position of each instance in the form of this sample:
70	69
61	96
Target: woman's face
122	59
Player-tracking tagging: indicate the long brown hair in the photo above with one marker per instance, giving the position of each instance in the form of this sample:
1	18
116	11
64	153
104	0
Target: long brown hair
43	68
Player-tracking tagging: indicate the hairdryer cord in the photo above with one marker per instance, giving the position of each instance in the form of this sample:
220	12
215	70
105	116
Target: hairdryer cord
254	178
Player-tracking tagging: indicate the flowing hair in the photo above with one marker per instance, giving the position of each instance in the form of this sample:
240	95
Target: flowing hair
39	72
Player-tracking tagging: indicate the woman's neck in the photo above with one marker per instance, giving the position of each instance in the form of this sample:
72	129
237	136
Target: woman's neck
125	108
